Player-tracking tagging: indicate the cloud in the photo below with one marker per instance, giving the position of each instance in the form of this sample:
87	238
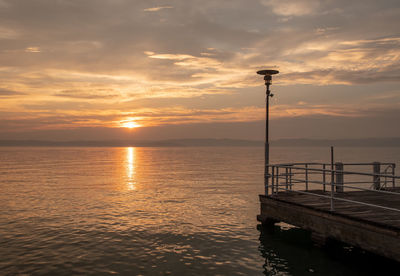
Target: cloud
155	9
112	59
292	7
8	33
332	61
337	76
32	50
9	93
78	94
43	117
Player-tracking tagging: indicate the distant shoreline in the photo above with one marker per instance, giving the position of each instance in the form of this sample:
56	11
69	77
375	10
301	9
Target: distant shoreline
365	142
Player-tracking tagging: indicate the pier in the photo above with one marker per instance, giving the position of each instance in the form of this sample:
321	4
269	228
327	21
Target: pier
355	203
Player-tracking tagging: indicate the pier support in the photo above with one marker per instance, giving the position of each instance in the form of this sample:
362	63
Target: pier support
318	239
267	221
326	225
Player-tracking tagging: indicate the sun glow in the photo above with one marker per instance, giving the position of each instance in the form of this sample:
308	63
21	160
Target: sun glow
130	124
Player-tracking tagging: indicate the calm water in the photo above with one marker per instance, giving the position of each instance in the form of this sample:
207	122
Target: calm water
158	211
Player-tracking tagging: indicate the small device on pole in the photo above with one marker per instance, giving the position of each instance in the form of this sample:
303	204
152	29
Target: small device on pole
268	81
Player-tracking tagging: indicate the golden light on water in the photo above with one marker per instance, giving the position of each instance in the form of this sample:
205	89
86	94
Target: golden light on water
131	168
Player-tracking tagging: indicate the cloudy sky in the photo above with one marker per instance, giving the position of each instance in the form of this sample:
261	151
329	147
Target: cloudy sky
143	69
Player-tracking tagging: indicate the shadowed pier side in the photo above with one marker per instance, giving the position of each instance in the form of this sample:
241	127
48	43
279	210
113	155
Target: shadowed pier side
355	207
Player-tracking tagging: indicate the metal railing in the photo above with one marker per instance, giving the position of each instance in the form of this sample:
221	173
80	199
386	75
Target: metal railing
330	181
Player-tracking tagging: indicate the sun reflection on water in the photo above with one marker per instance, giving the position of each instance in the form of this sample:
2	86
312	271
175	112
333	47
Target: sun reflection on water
131	168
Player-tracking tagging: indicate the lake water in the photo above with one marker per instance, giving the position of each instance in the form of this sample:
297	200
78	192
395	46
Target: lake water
158	211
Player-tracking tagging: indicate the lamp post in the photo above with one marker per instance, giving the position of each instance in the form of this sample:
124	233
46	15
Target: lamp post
268	81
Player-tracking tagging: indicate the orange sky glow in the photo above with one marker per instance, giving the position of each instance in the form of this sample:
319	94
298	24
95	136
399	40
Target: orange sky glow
159	67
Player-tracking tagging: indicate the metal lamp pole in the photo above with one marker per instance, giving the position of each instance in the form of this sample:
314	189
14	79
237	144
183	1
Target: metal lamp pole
268	81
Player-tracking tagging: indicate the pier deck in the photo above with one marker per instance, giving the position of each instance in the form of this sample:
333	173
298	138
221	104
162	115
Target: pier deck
368	219
378	216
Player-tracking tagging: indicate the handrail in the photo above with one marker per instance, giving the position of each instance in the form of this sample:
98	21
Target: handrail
351	187
318	163
287	176
328	170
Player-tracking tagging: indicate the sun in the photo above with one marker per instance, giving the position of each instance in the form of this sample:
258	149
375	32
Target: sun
130	124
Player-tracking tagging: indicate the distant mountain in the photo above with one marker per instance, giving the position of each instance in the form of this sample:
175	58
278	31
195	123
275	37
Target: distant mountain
126	143
364	142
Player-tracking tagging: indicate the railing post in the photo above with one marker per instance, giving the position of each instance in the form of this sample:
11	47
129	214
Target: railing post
272	180
393	174
306	176
287	178
339	177
324	176
290	178
376	178
277	180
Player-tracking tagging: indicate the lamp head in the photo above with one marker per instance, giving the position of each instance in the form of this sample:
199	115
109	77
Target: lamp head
267	72
268	75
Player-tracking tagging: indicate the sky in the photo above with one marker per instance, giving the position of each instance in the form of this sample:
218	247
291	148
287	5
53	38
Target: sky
150	70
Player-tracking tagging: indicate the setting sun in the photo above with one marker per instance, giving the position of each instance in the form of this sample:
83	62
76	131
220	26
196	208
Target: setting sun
130	125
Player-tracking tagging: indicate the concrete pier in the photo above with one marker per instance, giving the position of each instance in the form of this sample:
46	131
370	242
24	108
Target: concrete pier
365	218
